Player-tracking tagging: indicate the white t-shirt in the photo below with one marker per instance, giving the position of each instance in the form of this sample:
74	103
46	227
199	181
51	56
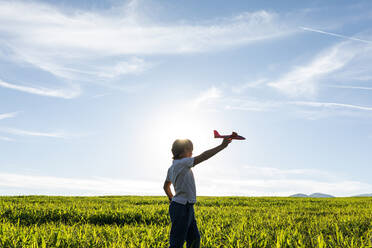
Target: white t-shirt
182	178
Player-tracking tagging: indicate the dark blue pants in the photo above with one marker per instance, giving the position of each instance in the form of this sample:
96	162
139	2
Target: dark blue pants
183	226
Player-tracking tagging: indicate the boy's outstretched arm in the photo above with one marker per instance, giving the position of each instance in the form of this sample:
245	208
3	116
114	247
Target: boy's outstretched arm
168	190
210	153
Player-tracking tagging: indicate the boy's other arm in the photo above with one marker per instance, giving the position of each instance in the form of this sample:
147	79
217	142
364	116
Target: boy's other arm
211	152
168	190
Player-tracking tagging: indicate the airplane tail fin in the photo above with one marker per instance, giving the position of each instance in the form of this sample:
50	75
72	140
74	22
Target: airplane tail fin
216	134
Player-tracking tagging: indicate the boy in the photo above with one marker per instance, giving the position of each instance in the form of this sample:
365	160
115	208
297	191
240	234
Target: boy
181	208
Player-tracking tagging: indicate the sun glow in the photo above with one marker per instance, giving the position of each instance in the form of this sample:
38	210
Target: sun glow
166	126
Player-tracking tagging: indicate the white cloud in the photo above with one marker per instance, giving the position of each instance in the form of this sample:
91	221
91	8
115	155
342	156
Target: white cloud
282	187
337	35
73	44
132	66
35	184
101	95
21	132
61	93
272	181
112	35
215	98
303	80
251	181
310	110
273	172
6	138
227	102
262	106
242	87
207	96
250	104
350	87
8	115
331	105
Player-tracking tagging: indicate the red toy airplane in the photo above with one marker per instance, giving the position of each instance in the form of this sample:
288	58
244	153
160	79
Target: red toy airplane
234	135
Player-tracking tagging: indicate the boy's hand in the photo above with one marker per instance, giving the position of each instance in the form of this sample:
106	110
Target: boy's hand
226	142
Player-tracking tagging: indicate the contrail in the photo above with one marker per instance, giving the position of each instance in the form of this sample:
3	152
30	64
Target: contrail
337	35
350	87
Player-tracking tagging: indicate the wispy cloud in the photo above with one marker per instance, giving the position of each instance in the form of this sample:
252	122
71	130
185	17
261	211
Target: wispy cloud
254	105
132	66
61	93
74	44
220	98
310	110
303	80
101	95
350	87
8	115
6	138
53	185
346	61
112	34
207	96
337	35
281	187
258	182
253	84
21	132
229	102
331	105
274	181
250	104
273	172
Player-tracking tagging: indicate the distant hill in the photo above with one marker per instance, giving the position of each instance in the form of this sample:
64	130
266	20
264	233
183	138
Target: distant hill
315	195
363	195
320	195
299	195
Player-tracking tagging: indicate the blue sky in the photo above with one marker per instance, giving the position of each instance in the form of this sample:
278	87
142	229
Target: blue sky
93	93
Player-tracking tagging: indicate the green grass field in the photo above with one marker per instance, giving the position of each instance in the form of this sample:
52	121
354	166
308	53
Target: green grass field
134	221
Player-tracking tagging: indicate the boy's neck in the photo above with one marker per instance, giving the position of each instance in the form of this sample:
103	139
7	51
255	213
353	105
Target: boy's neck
182	157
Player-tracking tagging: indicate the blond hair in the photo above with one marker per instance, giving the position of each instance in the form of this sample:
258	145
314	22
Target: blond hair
180	146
